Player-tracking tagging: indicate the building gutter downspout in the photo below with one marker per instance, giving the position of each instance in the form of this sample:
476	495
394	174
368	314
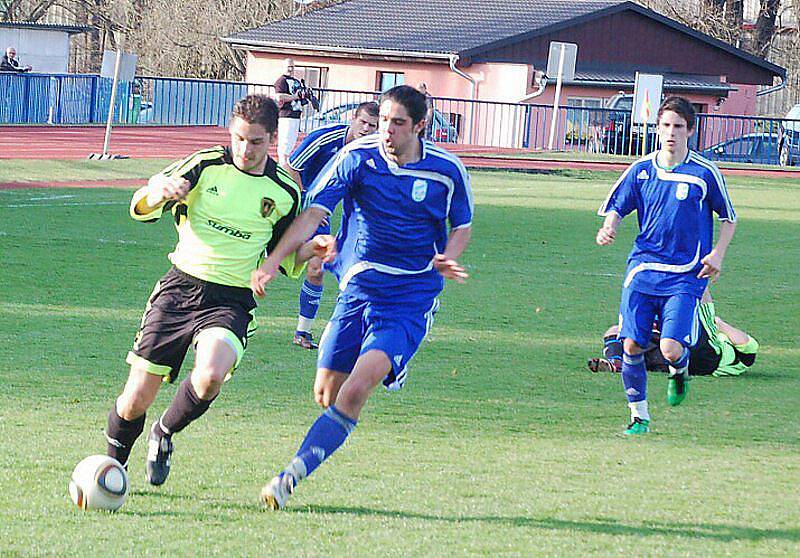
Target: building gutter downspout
773	89
473	92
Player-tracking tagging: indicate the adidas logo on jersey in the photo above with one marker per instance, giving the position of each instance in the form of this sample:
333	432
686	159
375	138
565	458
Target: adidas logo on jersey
398	359
642	175
371	164
213	190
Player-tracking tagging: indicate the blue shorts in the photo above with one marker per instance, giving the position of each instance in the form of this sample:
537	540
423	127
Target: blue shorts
358	326
676	314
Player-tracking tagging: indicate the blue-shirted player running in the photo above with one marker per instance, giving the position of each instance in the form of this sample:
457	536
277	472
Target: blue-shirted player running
394	253
306	163
674	192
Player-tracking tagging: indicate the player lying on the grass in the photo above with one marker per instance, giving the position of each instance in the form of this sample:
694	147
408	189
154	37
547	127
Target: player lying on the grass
675	192
306	163
229	205
722	349
394	254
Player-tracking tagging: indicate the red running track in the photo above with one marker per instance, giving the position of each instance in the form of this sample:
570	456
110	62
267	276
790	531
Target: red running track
171	142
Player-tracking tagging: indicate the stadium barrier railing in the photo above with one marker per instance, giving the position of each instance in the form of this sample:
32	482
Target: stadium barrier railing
84	99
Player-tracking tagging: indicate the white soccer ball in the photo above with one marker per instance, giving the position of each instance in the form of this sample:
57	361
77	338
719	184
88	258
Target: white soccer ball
99	482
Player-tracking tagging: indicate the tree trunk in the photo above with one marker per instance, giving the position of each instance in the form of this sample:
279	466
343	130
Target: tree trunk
765	26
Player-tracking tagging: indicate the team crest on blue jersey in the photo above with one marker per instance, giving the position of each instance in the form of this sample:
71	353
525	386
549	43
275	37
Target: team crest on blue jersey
419	190
682	191
267	206
643	175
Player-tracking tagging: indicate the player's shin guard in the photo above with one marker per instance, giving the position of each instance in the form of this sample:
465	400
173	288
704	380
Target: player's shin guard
634	377
324	437
310	295
186	406
121	434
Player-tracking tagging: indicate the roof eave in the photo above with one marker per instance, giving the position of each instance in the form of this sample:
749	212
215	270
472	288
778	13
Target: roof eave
721	88
267	46
774	68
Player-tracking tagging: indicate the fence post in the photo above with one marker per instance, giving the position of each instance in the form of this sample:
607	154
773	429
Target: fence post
26	99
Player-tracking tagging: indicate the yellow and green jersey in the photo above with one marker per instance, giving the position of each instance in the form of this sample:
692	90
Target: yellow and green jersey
230	219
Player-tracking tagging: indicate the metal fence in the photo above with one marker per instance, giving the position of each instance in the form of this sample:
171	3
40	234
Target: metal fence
61	99
84	99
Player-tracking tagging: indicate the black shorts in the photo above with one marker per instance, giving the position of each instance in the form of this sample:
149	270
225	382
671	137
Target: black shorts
704	358
182	306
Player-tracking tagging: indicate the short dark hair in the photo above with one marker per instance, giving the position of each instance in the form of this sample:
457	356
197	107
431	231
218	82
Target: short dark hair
370	107
257	109
413	101
680	106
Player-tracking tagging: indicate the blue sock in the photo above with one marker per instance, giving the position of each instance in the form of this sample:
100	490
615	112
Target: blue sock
310	296
681	363
324	437
634	377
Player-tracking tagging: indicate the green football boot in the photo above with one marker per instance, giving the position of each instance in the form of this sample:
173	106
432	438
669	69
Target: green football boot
638	426
677	388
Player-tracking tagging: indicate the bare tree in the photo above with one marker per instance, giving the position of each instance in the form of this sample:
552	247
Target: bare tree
765	26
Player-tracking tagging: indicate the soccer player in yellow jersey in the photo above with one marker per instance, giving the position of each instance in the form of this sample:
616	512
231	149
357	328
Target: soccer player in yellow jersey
231	205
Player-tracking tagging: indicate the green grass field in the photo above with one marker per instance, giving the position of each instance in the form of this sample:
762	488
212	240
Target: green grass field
502	442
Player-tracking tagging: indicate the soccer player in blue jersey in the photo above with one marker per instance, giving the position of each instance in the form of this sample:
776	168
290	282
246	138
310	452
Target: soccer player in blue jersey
394	253
306	163
674	192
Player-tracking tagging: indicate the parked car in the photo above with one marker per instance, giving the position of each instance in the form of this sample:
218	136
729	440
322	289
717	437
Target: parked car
619	137
441	131
748	148
789	138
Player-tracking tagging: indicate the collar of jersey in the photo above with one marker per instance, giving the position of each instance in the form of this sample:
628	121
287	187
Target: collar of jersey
392	164
670	169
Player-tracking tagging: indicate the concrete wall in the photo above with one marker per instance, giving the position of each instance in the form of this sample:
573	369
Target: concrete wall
47	51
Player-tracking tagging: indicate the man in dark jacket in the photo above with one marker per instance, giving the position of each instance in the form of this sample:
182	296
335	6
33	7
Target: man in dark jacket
9	62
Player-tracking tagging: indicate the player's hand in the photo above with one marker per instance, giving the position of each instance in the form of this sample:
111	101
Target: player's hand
324	246
712	266
162	188
449	269
606	236
259	278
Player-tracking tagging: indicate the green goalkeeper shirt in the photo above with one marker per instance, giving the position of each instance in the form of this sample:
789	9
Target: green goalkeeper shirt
230	219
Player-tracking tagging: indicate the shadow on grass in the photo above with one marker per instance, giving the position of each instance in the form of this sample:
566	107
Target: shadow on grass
606	526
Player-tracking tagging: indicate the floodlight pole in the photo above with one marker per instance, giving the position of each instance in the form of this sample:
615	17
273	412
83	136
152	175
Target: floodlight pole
554	119
117	64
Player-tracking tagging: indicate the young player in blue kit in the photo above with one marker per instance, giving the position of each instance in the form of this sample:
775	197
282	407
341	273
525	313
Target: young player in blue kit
394	252
306	163
674	192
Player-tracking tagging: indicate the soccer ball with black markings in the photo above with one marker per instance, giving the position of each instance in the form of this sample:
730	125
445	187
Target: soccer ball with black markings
99	482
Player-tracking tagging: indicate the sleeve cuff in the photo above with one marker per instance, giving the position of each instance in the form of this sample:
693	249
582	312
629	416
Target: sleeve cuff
138	196
291	268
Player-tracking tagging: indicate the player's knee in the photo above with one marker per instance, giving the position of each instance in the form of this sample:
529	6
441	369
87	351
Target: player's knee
132	404
631	347
324	395
314	271
672	352
206	383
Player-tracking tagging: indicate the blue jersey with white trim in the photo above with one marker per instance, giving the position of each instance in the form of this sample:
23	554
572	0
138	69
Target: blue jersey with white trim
394	219
316	150
676	227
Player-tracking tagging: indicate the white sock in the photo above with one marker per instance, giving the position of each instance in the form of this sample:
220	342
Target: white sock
304	324
639	409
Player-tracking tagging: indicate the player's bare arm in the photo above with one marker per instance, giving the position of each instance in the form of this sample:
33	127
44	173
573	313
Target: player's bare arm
608	232
161	188
295	236
446	263
712	262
